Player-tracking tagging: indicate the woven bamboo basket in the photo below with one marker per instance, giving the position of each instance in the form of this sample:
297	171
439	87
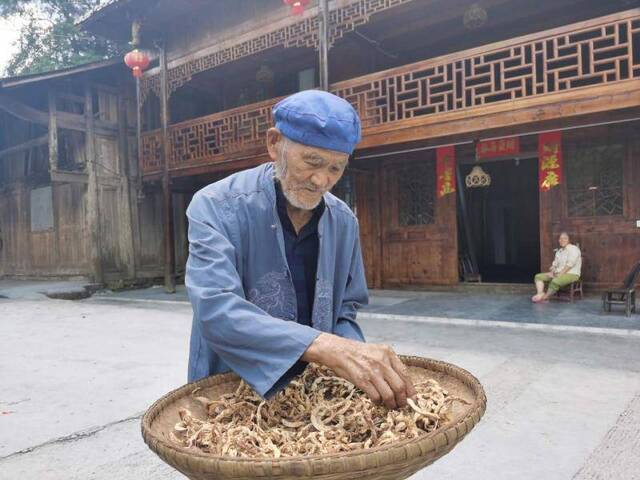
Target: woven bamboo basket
394	461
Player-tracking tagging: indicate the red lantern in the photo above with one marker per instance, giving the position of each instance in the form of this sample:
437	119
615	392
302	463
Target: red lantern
297	6
137	61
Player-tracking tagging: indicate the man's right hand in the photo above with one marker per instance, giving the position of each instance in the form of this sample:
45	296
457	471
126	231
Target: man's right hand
374	369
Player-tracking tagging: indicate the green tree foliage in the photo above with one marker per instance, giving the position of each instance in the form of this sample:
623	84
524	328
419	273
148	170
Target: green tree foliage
49	38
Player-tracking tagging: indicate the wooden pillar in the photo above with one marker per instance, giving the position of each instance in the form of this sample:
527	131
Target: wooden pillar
323	38
53	132
167	205
139	170
93	191
136	171
53	167
126	223
23	257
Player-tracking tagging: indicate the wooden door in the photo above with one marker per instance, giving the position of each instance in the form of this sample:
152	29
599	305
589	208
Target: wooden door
367	183
419	231
358	188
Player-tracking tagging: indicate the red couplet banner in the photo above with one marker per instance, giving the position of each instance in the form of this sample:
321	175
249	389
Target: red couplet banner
550	160
446	170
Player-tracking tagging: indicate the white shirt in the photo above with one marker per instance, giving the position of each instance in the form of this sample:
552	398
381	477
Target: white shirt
569	256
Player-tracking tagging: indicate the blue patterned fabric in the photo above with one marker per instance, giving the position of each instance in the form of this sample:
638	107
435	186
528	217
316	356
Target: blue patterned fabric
243	298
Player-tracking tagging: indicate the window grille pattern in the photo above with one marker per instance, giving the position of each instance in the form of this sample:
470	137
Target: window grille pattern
416	194
594	180
345	190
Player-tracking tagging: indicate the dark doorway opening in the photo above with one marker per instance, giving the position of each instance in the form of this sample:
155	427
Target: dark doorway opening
504	220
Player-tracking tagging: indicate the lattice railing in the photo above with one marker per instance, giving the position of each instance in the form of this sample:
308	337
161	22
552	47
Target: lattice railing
592	53
206	139
597	52
151	151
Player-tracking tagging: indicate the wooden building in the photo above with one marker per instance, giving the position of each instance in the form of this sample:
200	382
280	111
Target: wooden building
541	97
70	203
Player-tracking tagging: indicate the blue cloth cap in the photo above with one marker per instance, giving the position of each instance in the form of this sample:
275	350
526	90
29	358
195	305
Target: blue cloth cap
318	119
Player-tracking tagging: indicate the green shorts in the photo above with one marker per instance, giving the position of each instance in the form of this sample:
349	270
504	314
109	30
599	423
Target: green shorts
557	282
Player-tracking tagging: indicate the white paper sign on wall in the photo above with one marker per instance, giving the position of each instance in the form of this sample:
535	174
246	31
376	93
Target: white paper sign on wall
41	209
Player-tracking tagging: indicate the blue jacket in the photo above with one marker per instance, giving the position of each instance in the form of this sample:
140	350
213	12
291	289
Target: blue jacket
244	302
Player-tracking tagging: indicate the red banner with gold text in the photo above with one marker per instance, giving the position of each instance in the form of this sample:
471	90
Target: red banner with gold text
501	147
446	170
550	160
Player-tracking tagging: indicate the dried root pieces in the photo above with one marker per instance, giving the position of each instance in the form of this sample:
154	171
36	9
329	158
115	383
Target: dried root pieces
316	414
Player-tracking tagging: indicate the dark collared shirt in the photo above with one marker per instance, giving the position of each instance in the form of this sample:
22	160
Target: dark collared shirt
302	255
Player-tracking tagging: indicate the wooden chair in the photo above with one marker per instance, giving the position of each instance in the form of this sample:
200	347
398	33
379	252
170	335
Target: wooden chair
626	295
570	292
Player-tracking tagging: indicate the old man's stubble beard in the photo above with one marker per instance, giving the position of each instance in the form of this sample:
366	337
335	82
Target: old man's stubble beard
289	190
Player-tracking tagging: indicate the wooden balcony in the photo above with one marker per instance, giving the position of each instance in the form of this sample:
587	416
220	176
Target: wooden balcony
588	67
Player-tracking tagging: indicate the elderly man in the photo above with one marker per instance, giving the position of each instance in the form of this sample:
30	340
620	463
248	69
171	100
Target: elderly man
564	270
275	273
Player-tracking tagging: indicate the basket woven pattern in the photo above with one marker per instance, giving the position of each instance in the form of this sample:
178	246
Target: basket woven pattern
395	461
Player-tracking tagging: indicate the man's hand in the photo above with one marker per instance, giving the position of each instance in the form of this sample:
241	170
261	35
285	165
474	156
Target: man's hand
374	369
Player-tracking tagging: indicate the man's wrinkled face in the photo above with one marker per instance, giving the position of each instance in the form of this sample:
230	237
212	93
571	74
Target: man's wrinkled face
563	240
305	173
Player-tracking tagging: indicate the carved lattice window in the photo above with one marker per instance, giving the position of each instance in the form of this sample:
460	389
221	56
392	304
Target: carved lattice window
416	194
594	180
345	190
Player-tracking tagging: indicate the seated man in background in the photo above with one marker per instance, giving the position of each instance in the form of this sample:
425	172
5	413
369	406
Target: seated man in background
565	270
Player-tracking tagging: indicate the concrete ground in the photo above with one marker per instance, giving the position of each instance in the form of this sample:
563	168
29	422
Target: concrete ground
77	376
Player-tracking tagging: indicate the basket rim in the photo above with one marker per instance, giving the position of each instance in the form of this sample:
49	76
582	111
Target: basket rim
477	408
